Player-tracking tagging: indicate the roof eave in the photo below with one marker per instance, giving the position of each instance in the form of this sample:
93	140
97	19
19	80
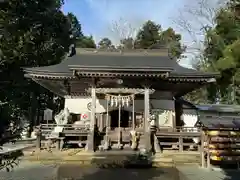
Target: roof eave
119	69
122	74
49	76
194	75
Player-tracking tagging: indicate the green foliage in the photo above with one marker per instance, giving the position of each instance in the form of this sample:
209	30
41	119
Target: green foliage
230	58
151	36
33	33
76	28
221	54
105	43
36	27
127	43
173	42
148	36
198	96
80	39
85	42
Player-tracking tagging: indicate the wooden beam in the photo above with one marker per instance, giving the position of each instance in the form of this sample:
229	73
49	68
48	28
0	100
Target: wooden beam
58	91
121	90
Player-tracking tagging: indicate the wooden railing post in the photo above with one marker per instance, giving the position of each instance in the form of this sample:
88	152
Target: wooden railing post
202	152
208	152
38	140
180	143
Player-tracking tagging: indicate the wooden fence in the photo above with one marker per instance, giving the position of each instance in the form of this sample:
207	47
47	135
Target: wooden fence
70	134
179	137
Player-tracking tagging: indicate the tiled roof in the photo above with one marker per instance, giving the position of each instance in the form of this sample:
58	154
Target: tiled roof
220	122
140	62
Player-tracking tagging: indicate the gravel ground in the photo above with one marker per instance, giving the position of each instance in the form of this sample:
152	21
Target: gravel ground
36	171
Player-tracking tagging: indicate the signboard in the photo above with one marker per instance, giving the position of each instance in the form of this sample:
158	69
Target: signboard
48	114
85	116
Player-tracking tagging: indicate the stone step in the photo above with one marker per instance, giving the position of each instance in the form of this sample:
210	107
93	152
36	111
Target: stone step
163	162
179	158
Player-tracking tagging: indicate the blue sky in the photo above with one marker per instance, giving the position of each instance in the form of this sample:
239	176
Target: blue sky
118	18
98	17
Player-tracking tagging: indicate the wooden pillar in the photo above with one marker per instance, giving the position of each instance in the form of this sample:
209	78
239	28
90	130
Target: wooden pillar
101	122
90	141
39	135
119	122
133	113
106	144
147	140
208	151
203	162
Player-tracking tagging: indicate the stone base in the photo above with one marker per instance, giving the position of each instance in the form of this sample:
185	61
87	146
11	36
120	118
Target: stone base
146	142
90	142
157	145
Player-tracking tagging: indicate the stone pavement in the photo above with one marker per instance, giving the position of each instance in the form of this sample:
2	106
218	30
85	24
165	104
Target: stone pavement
38	171
196	173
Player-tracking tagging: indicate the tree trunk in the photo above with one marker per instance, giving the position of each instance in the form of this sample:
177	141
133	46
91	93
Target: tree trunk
32	113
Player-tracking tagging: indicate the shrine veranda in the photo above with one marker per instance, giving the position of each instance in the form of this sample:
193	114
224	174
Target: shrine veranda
120	90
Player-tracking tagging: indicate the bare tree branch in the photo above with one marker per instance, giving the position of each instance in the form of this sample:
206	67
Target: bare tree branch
196	18
123	29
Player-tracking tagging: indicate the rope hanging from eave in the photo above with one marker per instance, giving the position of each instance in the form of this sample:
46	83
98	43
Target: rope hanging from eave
116	100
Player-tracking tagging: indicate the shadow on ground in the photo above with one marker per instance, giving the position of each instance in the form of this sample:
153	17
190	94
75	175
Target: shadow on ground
74	172
10	159
230	171
134	167
232	175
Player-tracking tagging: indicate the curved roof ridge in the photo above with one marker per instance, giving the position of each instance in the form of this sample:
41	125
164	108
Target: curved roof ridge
96	62
124	52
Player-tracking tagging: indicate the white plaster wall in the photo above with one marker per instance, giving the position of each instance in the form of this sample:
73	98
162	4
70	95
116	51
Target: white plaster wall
189	117
165	118
79	105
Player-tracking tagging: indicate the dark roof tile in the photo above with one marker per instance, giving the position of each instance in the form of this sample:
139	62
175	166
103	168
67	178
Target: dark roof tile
219	108
137	61
219	122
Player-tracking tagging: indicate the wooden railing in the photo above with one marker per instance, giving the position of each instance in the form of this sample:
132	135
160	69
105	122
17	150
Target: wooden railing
45	132
124	135
68	129
179	137
176	137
